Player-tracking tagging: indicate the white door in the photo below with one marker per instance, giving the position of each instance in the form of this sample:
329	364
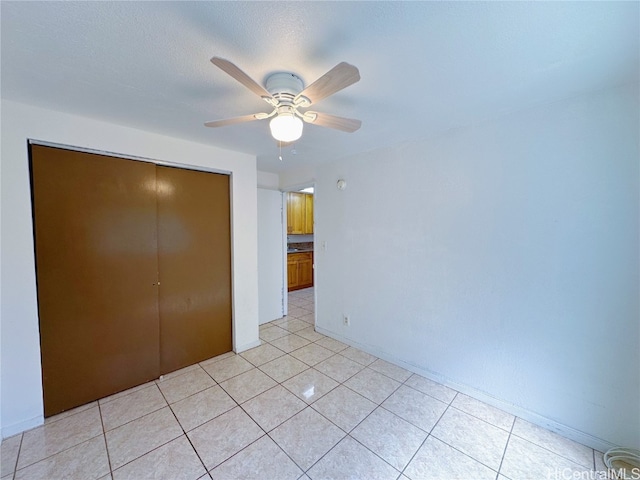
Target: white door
270	256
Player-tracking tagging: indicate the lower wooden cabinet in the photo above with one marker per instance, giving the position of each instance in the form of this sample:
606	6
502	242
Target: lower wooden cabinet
299	270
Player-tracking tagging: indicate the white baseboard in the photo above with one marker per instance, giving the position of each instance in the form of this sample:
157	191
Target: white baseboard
20	427
535	418
247	346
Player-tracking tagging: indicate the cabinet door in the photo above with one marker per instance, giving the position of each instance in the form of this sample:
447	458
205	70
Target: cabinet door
295	213
308	223
194	257
305	270
97	269
292	272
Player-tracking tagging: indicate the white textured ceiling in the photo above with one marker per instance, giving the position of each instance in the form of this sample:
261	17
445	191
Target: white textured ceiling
426	67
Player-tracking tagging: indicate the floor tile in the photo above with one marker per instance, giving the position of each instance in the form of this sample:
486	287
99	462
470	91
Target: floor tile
127	408
310	318
332	344
87	460
264	326
227	368
140	436
390	437
476	438
271	408
415	407
9	454
224	436
177	373
175	460
310	385
339	368
306	437
68	413
524	460
344	407
284	368
350	460
363	358
272	333
552	441
598	458
390	370
217	358
372	385
262	354
438	461
293	312
295	324
247	385
180	387
289	343
312	354
485	412
261	460
310	334
124	393
47	440
432	388
202	407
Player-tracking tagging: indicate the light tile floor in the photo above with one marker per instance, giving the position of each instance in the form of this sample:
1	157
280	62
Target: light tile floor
300	406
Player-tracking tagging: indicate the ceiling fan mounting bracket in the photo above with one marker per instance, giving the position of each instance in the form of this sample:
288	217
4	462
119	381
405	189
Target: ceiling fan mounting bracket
280	83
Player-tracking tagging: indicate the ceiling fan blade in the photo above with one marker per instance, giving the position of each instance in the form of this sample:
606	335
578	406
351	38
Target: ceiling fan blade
332	121
339	77
234	120
240	76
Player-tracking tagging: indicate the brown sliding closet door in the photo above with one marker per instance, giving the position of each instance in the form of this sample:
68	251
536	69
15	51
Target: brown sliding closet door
97	266
194	256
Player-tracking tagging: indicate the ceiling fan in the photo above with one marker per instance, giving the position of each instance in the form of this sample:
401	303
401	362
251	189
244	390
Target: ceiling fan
286	93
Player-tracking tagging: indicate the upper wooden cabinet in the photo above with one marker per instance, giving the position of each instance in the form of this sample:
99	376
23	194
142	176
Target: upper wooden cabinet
308	211
299	213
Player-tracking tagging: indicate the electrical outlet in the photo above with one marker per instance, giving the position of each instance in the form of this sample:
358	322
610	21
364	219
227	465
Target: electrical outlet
346	320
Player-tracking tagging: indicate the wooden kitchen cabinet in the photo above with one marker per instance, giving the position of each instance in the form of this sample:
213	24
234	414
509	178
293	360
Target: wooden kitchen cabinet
308	214
299	270
299	213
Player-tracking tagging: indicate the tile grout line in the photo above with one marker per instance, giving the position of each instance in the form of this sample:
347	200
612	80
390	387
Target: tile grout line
15	465
184	431
506	446
429	432
456	448
53	454
104	437
348	433
153	449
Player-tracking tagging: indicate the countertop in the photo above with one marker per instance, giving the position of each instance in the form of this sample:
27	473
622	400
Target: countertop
299	250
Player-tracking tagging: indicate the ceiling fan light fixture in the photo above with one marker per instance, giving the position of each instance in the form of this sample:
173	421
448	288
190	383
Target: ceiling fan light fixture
286	127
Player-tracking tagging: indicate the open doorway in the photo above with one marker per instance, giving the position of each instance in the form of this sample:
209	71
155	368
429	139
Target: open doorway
300	264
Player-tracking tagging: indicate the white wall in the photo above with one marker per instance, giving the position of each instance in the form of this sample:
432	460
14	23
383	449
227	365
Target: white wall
501	259
20	374
268	180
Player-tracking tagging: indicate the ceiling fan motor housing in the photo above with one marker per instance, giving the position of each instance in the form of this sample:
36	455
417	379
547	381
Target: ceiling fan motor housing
284	86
